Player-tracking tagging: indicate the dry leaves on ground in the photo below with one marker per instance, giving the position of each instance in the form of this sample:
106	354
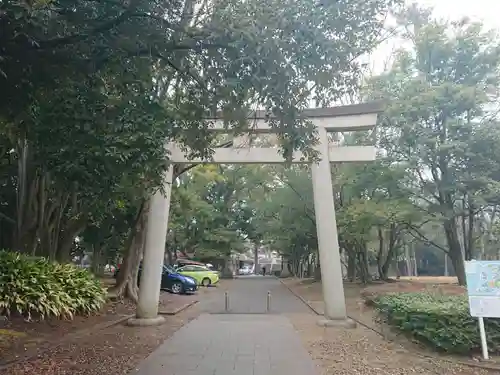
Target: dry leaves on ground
19	338
113	351
361	351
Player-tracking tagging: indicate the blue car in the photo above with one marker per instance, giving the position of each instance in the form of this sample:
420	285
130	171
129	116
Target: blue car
177	283
172	281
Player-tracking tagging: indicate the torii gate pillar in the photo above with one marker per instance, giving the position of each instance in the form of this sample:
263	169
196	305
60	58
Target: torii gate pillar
335	312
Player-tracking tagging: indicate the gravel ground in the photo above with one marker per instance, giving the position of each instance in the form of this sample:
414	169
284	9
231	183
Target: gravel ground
361	351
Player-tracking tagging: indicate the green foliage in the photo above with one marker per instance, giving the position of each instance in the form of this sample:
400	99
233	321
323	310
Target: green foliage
287	213
210	215
440	126
91	91
35	286
441	321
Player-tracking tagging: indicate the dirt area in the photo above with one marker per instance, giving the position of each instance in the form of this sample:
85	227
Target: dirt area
361	351
356	294
410	286
432	279
89	345
364	350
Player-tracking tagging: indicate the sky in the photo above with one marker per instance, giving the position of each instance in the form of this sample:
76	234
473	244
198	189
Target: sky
486	11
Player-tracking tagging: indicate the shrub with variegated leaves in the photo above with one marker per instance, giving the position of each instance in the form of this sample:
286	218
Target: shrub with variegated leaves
36	287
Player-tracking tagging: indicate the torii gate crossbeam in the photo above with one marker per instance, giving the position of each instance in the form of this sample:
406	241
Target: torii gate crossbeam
336	119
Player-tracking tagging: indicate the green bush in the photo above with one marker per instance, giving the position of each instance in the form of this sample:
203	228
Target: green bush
441	321
35	286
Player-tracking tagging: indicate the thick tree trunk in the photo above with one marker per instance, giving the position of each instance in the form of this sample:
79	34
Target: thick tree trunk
455	252
386	258
363	264
126	282
227	270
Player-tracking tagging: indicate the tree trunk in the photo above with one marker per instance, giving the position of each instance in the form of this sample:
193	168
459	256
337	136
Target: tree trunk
364	272
409	268
126	282
386	258
227	270
22	191
413	253
317	269
97	260
351	267
170	259
256	259
455	252
67	242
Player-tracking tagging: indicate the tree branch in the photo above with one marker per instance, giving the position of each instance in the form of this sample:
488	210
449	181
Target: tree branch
6	218
177	167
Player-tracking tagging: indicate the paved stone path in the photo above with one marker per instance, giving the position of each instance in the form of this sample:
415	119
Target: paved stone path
248	295
243	343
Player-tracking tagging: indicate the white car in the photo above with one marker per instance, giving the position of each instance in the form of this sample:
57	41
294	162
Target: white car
245	271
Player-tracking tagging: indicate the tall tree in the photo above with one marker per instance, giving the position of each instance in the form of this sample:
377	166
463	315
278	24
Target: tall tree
91	91
440	93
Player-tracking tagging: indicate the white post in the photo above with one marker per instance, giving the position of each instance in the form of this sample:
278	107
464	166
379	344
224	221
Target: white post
154	252
326	226
482	334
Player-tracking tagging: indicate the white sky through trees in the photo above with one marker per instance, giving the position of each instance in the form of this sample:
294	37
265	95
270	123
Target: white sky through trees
486	11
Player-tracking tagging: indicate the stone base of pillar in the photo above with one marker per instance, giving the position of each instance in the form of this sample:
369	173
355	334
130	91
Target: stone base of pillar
337	323
146	322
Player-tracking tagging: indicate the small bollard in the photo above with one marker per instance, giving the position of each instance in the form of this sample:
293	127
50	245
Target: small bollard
226	301
268	302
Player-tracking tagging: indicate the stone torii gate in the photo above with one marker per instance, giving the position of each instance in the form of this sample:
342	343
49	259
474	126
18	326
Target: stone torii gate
337	119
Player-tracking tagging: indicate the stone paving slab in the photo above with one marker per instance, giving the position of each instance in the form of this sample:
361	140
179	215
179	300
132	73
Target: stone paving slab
248	295
226	344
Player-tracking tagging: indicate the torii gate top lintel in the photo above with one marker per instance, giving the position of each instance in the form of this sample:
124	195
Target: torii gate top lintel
355	117
343	110
335	119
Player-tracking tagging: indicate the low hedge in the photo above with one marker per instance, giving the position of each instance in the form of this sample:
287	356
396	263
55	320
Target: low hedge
34	286
441	321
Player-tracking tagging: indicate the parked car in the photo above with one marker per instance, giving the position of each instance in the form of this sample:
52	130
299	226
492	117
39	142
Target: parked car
203	275
172	281
246	270
188	262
